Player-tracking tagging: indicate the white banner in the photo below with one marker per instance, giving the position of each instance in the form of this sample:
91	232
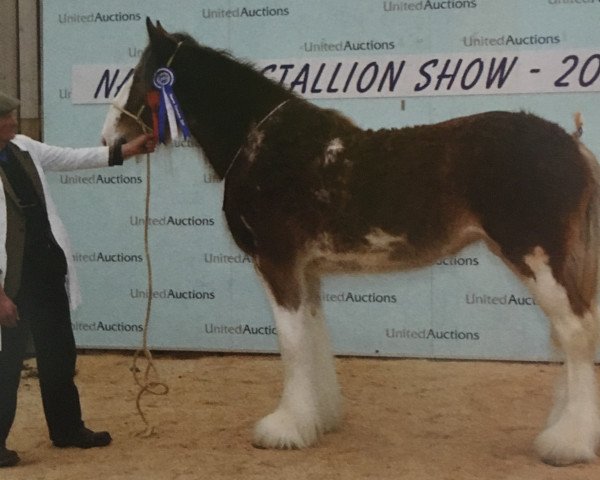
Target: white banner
477	73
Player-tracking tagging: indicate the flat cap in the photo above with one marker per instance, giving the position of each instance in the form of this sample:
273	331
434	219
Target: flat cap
7	103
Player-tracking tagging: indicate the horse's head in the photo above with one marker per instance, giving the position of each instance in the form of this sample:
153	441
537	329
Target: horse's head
130	114
220	97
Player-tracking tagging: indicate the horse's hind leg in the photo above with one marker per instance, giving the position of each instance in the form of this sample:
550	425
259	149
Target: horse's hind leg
573	429
310	403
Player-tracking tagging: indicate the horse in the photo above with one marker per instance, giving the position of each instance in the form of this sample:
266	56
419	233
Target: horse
308	193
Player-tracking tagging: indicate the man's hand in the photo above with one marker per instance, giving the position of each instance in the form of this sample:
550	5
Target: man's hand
144	143
8	311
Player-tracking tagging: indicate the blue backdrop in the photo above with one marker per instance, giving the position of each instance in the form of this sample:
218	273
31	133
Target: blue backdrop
383	63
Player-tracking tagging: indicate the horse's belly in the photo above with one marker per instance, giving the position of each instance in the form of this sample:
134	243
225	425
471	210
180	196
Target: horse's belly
381	251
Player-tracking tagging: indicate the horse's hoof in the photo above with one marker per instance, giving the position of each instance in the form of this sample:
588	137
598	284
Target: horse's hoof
564	444
282	430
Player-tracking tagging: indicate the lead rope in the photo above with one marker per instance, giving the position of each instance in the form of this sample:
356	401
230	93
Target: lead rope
144	382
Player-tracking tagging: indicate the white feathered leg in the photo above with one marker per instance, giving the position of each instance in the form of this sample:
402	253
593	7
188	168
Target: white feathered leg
327	387
310	403
573	429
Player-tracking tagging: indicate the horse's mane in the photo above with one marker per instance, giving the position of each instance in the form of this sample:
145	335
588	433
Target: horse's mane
246	66
188	40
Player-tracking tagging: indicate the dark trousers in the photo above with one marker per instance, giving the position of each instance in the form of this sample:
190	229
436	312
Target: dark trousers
43	308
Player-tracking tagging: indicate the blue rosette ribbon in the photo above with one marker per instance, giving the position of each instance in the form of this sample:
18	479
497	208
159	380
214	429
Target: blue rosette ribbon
169	111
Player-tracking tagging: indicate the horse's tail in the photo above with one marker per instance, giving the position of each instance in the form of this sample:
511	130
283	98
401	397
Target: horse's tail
578	118
582	261
588	267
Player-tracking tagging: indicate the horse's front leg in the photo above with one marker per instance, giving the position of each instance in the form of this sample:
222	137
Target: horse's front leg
310	403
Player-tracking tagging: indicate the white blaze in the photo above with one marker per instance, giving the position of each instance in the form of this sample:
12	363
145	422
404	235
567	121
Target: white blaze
109	130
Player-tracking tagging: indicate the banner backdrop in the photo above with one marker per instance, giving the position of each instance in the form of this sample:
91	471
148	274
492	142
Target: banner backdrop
383	63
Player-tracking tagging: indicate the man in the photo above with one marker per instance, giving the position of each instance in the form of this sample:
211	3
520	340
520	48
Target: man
35	274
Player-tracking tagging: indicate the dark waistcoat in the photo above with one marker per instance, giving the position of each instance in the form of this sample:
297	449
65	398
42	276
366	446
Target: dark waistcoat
19	229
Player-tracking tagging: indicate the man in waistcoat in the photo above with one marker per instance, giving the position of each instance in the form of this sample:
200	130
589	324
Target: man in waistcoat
37	284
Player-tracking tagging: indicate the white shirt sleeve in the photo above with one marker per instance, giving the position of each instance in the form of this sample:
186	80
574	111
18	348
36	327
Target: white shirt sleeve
61	158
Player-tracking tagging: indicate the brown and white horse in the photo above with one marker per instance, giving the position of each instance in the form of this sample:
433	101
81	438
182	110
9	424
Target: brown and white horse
308	193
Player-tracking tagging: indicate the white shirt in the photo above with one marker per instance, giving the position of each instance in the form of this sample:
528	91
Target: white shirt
47	157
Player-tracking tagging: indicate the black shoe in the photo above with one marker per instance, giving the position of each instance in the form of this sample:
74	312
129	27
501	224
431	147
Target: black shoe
8	458
84	438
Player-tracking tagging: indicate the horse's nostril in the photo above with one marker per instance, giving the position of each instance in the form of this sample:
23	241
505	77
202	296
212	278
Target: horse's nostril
103	141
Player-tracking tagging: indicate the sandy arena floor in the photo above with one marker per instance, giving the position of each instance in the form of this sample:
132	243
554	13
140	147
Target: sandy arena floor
404	419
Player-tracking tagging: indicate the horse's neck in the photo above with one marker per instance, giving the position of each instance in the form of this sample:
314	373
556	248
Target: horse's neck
222	137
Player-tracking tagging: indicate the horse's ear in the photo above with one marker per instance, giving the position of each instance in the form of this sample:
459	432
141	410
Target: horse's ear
152	30
161	42
160	28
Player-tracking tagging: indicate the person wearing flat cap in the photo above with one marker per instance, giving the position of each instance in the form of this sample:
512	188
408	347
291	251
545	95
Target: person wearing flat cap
38	287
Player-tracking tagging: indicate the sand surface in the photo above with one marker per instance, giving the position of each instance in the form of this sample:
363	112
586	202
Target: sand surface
404	419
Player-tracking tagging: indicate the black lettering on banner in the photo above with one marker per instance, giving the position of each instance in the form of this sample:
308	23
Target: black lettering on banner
560	81
107	83
350	75
501	73
301	79
364	87
393	79
314	88
330	87
450	76
419	87
588	74
478	62
595	74
498	72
